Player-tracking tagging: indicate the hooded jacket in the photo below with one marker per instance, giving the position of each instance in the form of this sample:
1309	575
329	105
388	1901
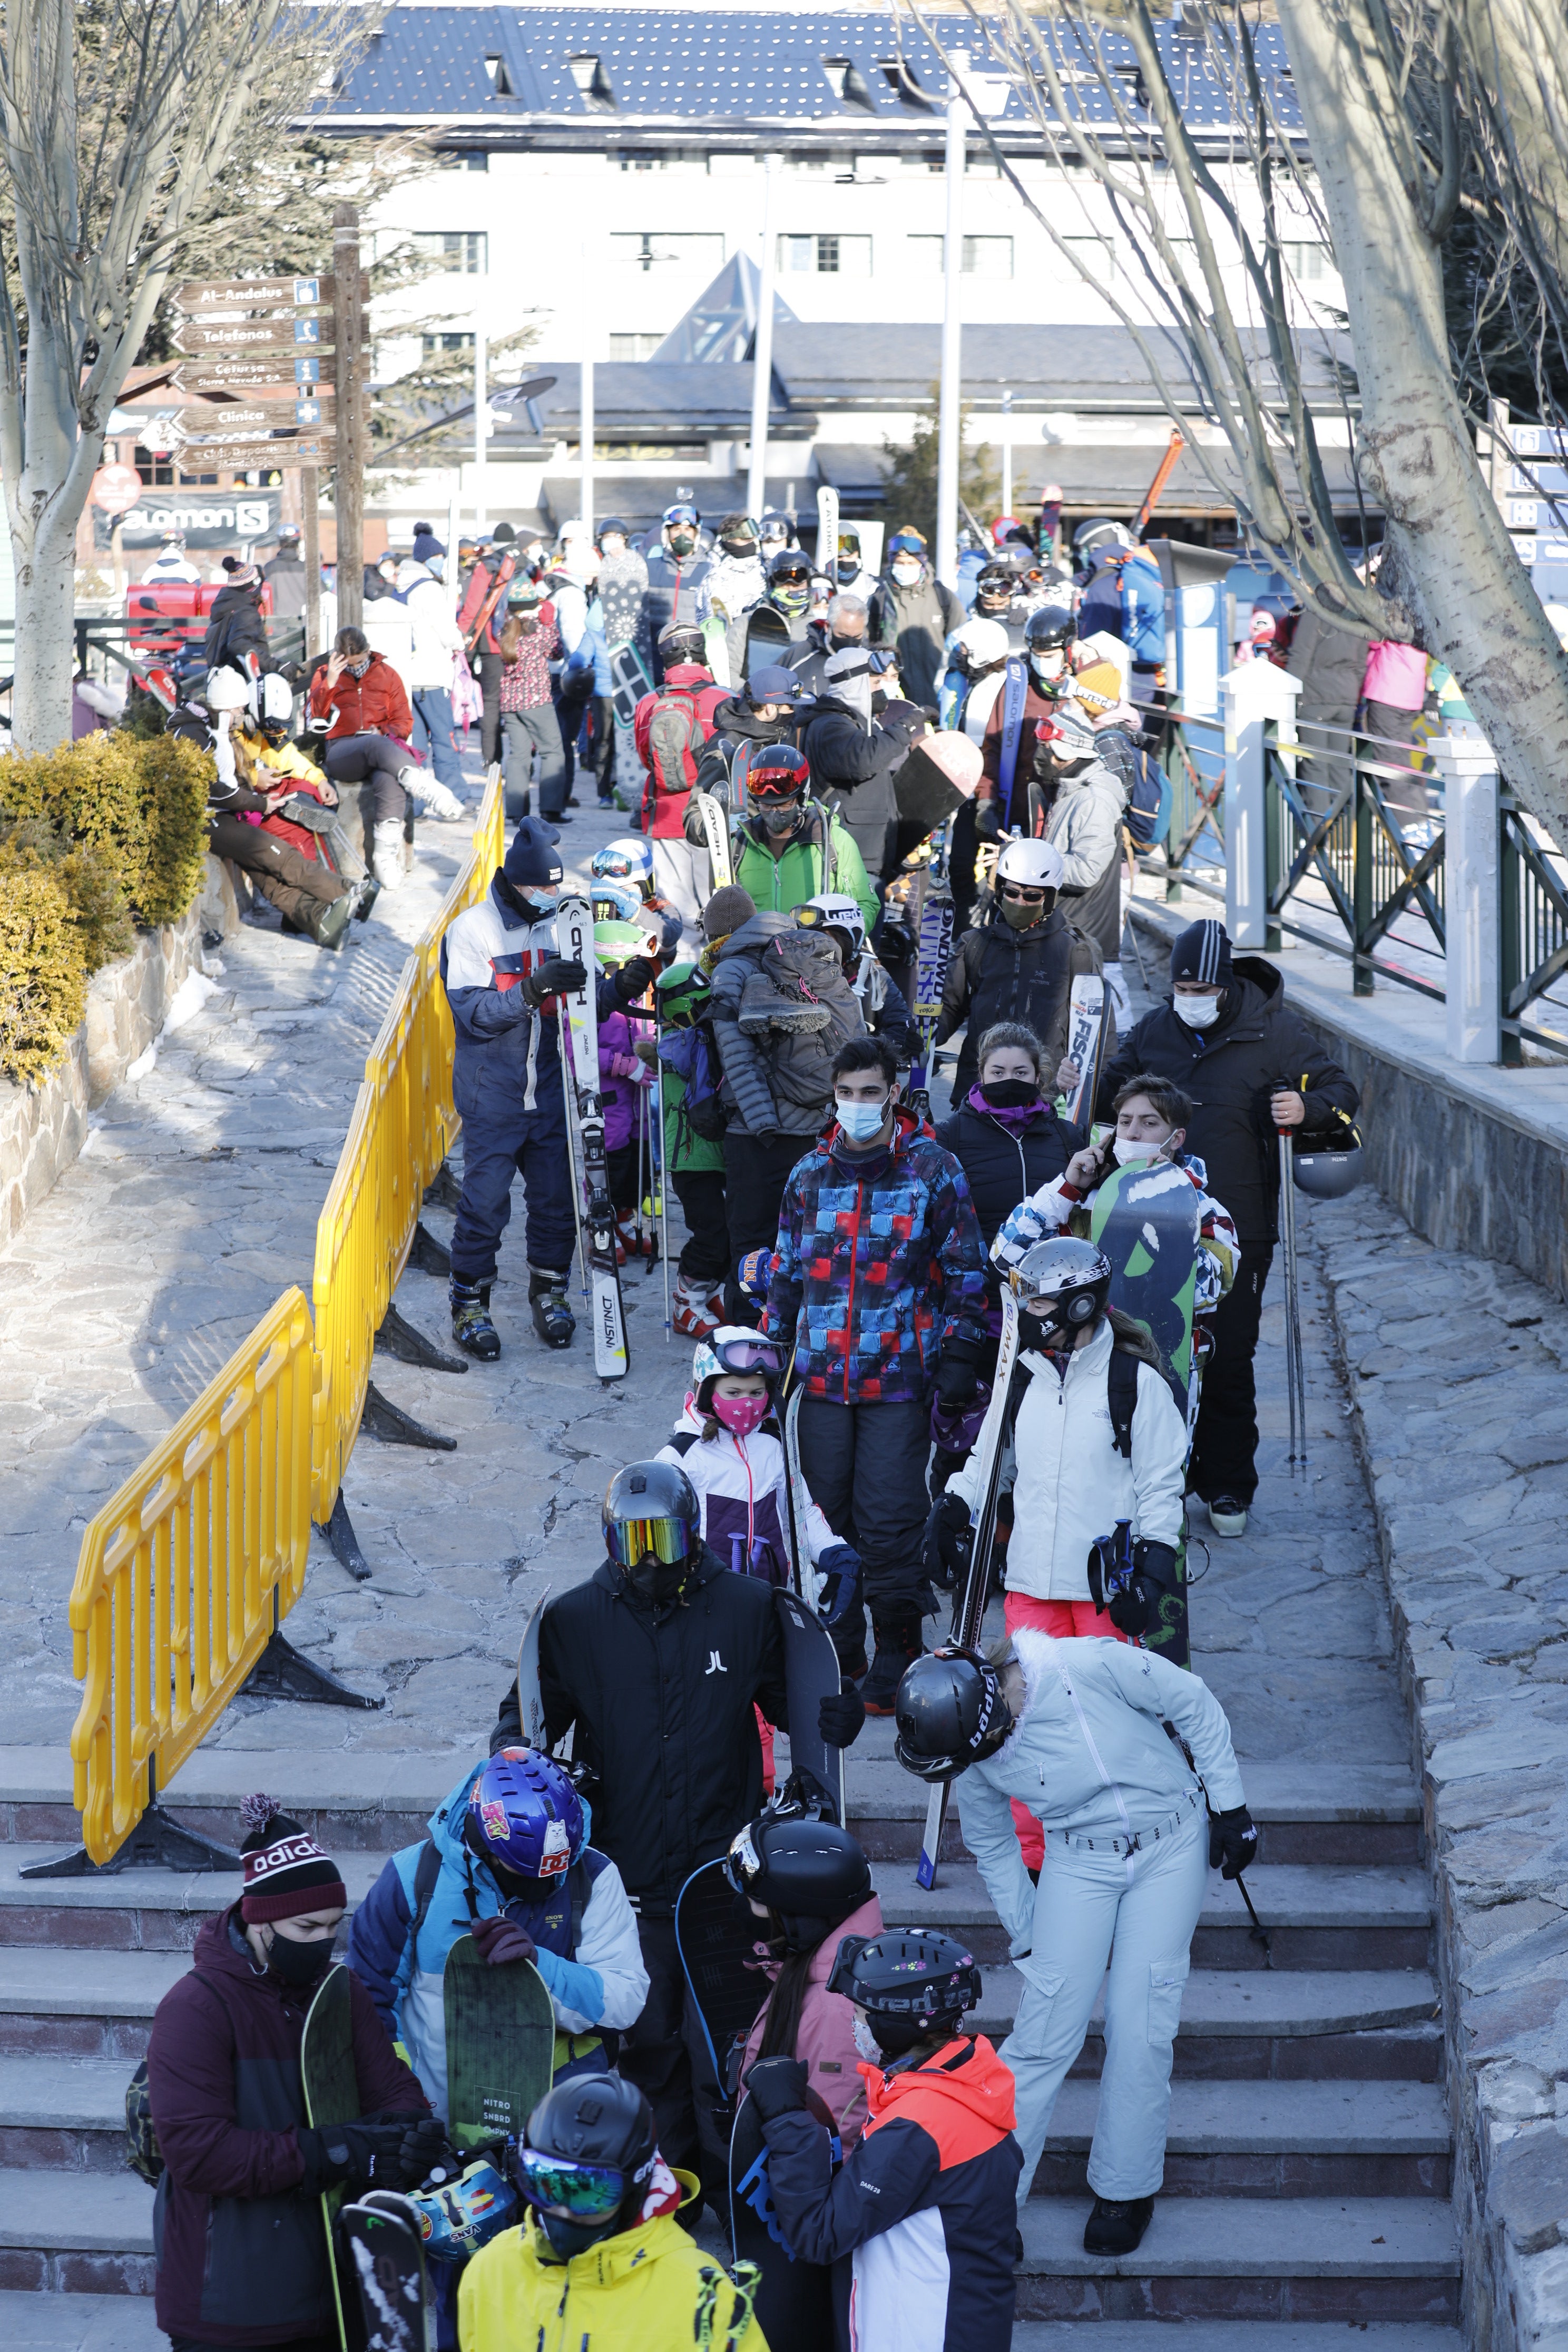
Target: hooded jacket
917	621
1257	1044
753	1059
920	2215
825	2037
663	1700
507	1056
642	2291
877	1266
1125	596
285	575
435	637
1007	1157
1058	1207
821	856
742	1489
375	703
594	1978
240	2249
995	974
734	588
675	586
852	769
235	629
1085	825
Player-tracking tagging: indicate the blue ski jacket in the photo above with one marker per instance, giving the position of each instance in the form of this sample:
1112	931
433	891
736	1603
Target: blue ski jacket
507	1056
585	1935
1125	596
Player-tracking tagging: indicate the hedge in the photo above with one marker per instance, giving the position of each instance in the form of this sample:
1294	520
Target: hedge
96	838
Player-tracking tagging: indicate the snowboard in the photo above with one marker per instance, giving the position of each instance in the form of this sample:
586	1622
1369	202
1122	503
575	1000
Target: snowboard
530	1705
768	641
1087	1008
826	543
331	2096
383	2250
1146	1219
716	649
501	2044
630	681
812	1673
794	2299
722	1947
580	1040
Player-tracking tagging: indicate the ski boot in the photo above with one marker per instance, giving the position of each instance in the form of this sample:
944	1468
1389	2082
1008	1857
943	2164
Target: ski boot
327	923
552	1317
472	1325
693	1316
897	1646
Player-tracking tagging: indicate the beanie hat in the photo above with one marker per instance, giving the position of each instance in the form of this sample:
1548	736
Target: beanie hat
531	857
286	1872
1201	952
503	535
1069	732
244	575
726	910
1098	687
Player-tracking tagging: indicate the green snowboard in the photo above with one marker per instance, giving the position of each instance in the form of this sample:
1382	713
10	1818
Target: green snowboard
500	2043
331	2096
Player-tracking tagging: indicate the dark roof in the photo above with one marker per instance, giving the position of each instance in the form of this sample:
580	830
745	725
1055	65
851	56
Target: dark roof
599	76
644	400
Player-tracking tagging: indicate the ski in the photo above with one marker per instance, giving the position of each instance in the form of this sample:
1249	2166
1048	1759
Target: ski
530	1705
799	1500
385	2249
504	571
1087	1010
969	1606
934	952
580	1043
716	832
828	530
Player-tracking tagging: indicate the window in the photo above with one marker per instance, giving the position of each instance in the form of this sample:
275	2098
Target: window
848	83
828	257
1308	264
634	347
431	345
1094	254
157	472
592	83
983	256
901	79
498	78
464	250
649	250
633	160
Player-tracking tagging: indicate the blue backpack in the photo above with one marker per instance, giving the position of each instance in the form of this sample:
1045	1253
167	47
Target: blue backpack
1147	815
694	1058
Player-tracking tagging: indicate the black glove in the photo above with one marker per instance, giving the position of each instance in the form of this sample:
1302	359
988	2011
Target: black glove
958	1372
365	2154
634	979
559	976
425	2143
1137	1608
1233	1841
839	1717
987	821
949	1538
777	2085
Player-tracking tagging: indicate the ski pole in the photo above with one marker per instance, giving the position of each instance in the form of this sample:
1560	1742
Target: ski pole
663	1169
1258	1933
1287	1243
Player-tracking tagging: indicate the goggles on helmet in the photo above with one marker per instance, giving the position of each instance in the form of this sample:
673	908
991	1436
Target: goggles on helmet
752	1354
631	1540
568	2191
905	542
681	514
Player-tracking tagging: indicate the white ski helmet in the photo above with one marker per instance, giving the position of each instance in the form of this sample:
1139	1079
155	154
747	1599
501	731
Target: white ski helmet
628	858
733	1347
982	643
834	910
226	691
1033	865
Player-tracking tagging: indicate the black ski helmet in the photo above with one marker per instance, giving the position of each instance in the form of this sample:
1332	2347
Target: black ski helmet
949	1712
653	1527
1328	1175
912	1988
811	1874
1096	531
1052	626
589	2143
994	587
789	581
682	641
778	773
1074	1275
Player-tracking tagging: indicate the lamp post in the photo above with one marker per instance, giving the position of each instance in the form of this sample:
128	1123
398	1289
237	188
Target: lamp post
763	353
952	333
585	402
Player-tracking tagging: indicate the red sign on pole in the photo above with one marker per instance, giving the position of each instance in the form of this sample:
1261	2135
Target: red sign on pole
116	488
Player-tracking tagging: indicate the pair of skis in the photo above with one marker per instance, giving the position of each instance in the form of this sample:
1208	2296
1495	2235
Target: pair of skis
592	1204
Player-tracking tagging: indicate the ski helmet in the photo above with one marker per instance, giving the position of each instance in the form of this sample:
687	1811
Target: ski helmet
587	2160
733	1347
778	773
834	910
1033	865
907	541
811	1874
846	563
627	858
994	587
683	992
523	1813
455	2217
789	582
611	524
777	528
682	641
984	645
277	712
1052	626
1067	734
1328	1175
912	1988
950	1713
617	943
653	1527
1061	1286
615	902
1096	533
682	512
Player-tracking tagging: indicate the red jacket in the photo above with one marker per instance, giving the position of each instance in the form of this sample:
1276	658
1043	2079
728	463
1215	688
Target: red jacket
241	2251
669	729
375	703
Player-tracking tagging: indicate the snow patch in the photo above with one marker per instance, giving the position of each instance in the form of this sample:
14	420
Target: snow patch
188	1000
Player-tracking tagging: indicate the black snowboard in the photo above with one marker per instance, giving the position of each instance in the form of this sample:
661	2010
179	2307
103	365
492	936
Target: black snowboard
722	1945
812	1673
331	2096
794	2299
384	2253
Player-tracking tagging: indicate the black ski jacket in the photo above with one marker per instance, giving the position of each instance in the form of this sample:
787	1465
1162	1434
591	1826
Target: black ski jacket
852	771
998	974
661	1699
1230	1071
1006	1164
234	628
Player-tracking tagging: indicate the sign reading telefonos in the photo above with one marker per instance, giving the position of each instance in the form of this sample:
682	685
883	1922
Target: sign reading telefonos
207	518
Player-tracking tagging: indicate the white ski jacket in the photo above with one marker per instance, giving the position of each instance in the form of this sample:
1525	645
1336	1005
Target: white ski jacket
742	1486
1089	1755
1069	1483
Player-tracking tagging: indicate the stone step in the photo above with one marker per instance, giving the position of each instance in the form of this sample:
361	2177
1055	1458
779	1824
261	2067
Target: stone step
1318	1918
63	2115
134	1910
1259	2259
1219	2336
86	2323
1271	2140
98	2005
97	2240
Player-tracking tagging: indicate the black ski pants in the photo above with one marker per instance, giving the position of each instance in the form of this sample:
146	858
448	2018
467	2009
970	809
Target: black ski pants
1224	1443
487	668
756	1170
700	1193
866	1467
666	2056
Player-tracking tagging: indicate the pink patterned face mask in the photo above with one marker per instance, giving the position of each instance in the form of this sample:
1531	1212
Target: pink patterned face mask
740	1414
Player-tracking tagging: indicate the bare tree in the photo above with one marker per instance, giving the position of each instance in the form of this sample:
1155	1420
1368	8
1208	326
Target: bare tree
118	118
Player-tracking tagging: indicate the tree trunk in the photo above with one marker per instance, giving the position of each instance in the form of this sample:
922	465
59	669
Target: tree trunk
1477	608
43	507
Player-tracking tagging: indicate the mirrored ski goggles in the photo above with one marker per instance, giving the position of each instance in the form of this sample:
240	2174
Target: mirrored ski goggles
742	1863
631	1540
752	1354
568	2191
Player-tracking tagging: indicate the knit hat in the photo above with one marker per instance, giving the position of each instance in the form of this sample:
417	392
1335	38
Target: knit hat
1201	952
244	575
1068	731
1098	687
286	1872
726	910
531	857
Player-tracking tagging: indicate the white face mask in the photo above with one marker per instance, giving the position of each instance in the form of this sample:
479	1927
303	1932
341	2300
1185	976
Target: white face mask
906	574
1197	1011
864	2041
1131	1150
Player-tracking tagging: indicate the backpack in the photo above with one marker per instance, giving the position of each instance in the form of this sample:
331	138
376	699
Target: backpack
1121	1396
1147	815
694	1058
799	1006
668	731
143	2154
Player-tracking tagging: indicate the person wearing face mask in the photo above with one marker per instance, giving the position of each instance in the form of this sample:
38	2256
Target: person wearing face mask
1250	1065
677	569
656	1664
877	1287
848	569
504	978
1085	802
1017	962
736	584
843	624
853	753
781	621
792	847
1033	683
1077	1732
241	2253
915	613
767	710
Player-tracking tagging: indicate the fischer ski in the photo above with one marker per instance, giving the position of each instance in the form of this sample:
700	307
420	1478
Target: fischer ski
969	1603
1088	1006
716	831
934	952
826	555
580	1044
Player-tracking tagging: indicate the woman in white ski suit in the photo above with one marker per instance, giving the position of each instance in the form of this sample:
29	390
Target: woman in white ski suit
1125	1869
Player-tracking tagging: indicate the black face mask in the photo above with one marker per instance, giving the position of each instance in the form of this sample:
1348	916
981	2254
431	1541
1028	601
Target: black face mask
682	542
299	1965
659	1581
739	548
840	643
1012	1094
1041	1338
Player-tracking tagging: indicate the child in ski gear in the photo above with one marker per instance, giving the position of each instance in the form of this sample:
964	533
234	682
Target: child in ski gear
811	1881
242	2255
918	2221
508	1861
503	980
625	1079
877	1283
656	1663
694	1121
1076	1731
602	2258
1018	962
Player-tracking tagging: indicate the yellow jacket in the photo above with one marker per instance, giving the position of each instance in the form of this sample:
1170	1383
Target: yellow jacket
651	2289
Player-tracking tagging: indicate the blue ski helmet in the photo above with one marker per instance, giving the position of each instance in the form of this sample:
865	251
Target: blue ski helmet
524	1813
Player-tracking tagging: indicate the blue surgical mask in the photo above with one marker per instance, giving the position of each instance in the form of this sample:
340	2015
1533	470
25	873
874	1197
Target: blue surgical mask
861	1121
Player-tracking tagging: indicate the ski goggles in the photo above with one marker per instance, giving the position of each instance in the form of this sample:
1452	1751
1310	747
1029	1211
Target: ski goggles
742	1863
816	918
687	515
568	2191
631	1540
752	1354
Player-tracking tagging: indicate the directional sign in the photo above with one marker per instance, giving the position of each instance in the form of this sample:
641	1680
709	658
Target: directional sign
307	369
248	334
239	417
240	457
208	294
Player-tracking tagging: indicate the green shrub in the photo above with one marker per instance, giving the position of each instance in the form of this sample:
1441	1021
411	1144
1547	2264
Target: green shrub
43	972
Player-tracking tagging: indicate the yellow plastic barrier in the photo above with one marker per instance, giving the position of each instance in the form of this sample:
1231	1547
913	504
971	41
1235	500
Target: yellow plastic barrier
403	1125
173	1603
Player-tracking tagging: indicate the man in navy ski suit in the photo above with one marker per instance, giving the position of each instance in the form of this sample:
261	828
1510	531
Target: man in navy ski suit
504	980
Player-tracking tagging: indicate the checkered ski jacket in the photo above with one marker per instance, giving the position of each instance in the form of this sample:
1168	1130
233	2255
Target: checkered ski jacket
878	1263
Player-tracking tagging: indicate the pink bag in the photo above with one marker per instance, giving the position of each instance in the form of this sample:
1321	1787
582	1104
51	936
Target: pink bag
467	702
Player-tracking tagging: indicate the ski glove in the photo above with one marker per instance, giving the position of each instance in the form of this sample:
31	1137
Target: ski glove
1233	1842
987	821
396	2154
958	1372
634	979
948	1539
839	1569
557	976
777	2086
840	1716
501	1939
1137	1606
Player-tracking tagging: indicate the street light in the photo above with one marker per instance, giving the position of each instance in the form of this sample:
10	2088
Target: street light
762	354
990	99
